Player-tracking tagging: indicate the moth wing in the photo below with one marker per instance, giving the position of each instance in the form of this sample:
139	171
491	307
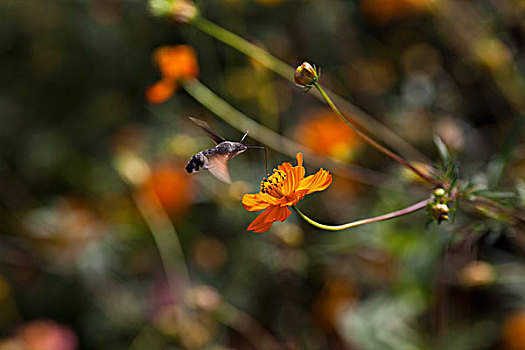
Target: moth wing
206	127
218	166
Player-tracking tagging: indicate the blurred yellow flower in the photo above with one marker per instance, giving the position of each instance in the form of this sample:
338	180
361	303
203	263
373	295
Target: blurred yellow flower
477	274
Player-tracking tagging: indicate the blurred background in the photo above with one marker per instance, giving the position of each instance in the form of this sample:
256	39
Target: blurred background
106	243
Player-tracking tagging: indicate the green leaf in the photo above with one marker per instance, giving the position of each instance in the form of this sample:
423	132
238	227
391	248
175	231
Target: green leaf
443	151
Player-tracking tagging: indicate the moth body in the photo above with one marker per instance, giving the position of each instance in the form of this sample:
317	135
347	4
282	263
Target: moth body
215	159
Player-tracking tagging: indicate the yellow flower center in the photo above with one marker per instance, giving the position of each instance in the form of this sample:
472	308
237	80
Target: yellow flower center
272	185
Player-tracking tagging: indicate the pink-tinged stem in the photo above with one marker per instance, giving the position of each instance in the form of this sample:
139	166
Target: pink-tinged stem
394	214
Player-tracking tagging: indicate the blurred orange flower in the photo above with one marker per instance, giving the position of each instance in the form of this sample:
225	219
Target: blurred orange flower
169	185
381	12
160	91
285	187
337	295
325	134
513	331
175	63
46	335
269	2
209	253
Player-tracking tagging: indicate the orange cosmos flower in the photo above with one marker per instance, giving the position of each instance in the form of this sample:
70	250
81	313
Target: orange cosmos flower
284	188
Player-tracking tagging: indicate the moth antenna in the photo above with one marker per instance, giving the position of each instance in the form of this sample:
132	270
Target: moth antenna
265	156
246	134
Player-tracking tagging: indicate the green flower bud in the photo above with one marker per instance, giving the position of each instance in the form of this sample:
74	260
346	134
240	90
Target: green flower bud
182	11
161	8
440	212
439	192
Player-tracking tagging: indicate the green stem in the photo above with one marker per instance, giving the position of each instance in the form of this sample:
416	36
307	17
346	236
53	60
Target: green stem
371	141
244	46
284	70
395	214
247	326
168	245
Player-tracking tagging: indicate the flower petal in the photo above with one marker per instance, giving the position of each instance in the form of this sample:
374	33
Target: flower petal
286	167
261	229
265	220
254	202
294	176
299	159
317	182
293	198
258	201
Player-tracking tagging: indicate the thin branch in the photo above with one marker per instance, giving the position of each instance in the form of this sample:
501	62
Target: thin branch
395	214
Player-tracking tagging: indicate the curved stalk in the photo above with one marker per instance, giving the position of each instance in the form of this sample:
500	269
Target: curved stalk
371	141
168	245
394	214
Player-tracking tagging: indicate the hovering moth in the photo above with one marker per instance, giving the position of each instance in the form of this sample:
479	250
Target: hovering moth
216	159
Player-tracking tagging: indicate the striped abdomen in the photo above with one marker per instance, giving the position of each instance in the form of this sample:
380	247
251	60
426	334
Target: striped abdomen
196	163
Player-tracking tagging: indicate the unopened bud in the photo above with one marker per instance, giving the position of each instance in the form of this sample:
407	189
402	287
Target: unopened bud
306	75
443	208
184	11
440	211
439	192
